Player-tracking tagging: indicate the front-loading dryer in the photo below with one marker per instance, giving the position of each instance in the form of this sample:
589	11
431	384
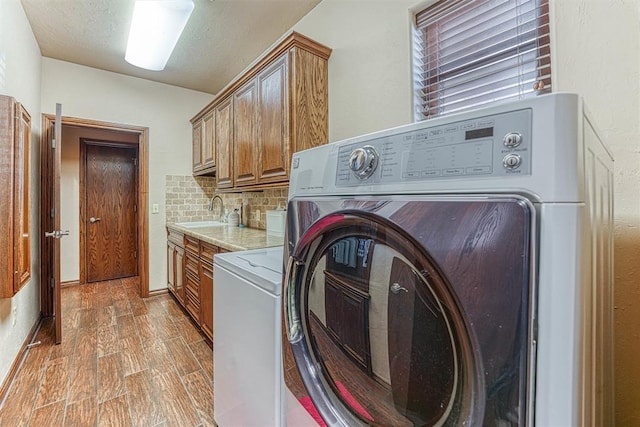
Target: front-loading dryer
456	271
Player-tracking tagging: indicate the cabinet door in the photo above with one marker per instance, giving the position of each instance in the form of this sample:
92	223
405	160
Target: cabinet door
244	134
273	129
197	146
347	311
22	239
192	296
206	298
179	274
208	141
224	143
171	262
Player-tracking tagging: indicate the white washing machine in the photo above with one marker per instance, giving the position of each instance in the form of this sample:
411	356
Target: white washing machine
247	370
456	271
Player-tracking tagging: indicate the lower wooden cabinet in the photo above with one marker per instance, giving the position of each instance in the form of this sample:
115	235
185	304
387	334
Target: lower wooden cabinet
206	298
207	251
175	264
190	276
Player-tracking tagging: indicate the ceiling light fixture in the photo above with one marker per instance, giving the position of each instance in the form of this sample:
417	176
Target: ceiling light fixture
155	30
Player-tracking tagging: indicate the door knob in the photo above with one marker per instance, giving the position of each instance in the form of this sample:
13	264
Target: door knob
56	234
92	220
395	288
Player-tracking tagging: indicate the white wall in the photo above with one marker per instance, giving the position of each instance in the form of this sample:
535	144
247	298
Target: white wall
369	68
20	64
597	54
100	95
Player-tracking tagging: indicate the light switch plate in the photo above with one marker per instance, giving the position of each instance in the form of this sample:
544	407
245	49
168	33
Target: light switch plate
155	208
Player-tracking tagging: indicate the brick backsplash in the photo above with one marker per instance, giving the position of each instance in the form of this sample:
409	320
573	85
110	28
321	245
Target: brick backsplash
187	199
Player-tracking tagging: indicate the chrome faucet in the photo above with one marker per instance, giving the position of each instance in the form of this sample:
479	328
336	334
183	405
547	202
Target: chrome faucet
213	199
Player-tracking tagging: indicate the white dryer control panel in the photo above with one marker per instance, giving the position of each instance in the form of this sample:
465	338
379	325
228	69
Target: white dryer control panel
495	145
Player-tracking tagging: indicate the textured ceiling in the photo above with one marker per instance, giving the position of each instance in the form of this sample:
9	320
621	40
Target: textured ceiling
221	38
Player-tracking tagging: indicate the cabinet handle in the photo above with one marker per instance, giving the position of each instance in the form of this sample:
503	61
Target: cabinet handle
92	220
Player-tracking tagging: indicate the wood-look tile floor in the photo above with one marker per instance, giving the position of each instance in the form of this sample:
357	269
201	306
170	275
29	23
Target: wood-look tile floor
123	361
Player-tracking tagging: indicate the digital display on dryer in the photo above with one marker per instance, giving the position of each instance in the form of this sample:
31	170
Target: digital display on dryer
478	133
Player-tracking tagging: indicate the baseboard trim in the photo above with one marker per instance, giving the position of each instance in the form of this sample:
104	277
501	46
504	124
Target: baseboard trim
158	292
17	362
69	283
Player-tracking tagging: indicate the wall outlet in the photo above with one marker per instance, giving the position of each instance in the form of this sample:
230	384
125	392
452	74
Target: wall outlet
155	208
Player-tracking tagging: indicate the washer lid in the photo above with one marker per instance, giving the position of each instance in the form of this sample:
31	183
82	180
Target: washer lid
262	267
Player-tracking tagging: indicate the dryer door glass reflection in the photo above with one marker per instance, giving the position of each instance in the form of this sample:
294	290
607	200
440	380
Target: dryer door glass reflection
386	334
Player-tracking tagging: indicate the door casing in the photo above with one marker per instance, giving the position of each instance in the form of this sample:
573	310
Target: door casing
47	294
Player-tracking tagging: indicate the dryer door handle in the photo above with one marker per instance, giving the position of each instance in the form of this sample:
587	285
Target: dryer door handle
291	313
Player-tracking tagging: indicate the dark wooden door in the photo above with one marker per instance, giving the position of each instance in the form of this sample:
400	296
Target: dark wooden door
50	221
54	255
422	357
110	214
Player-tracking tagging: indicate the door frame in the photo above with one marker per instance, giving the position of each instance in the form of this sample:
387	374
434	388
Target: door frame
46	157
82	187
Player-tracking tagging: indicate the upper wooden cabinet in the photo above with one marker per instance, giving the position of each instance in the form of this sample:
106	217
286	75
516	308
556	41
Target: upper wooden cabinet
277	107
245	149
224	143
196	153
15	240
204	149
208	141
273	95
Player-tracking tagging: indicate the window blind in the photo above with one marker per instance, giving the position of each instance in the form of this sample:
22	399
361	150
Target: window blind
468	53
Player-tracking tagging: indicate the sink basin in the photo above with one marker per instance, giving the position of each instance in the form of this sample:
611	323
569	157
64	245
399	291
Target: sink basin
201	224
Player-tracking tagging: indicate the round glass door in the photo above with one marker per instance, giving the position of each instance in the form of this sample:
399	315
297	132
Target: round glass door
376	332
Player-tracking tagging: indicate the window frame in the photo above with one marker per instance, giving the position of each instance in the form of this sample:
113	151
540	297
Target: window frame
427	89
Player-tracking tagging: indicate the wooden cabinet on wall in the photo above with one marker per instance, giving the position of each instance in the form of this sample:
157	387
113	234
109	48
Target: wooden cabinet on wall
15	240
277	107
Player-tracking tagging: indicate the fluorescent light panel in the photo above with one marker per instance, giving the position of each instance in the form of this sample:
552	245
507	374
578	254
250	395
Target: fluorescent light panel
155	30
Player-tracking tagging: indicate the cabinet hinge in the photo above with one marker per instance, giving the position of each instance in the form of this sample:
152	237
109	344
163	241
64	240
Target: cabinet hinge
52	213
135	208
135	254
135	162
52	282
53	143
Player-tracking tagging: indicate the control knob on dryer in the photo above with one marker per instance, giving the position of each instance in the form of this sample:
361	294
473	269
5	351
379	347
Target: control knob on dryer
363	161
